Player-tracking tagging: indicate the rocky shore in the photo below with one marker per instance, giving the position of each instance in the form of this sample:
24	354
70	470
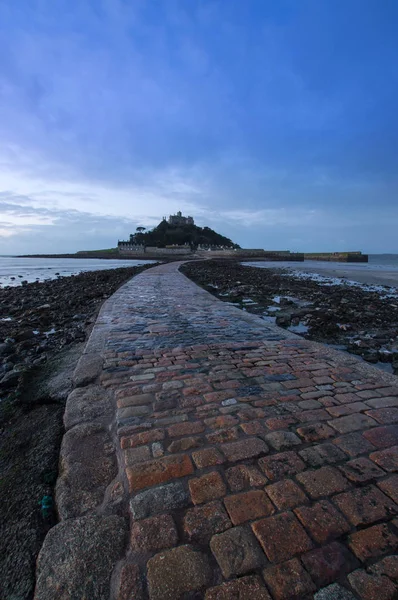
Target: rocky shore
43	327
362	322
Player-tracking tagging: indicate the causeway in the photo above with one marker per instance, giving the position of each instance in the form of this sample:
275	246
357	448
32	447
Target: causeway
209	455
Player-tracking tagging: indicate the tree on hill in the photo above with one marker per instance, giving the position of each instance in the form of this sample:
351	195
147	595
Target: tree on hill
170	235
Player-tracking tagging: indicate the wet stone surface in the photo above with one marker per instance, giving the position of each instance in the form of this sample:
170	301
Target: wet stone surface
247	454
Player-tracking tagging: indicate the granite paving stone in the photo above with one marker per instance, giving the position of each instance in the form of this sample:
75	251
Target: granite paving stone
253	464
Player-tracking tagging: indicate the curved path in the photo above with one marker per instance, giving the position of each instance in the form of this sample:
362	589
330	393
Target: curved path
210	455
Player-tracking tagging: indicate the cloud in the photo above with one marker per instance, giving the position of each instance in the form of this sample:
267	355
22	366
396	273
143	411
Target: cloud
272	122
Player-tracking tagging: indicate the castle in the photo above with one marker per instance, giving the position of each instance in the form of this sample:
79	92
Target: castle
178	219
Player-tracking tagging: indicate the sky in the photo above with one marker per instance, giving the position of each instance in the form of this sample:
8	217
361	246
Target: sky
275	123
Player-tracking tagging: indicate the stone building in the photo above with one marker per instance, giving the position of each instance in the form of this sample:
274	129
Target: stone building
178	219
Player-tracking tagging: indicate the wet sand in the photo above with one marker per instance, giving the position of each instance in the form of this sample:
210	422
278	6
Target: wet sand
362	273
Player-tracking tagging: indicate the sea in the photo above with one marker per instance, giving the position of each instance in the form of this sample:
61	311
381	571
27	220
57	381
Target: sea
379	274
381	268
14	270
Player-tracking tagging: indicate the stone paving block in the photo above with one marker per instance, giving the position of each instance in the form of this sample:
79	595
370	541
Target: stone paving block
386	566
133	456
132	411
322	521
187	428
276	423
202	522
153	534
288	581
352	423
245	588
281	536
390	487
221	422
286	494
322	454
373	542
207	457
385	416
347	409
135	400
185	444
328	563
309	416
383	402
354	444
323	482
388	391
248	506
386	459
237	551
150	473
282	440
139	439
365	505
279	466
253	427
129	583
174	572
242	477
315	432
167	497
206	488
361	470
223	435
245	448
372	587
382	437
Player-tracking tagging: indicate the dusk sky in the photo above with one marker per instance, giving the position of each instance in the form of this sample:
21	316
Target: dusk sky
275	122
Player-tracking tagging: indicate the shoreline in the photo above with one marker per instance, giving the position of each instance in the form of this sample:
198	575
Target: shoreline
361	273
360	321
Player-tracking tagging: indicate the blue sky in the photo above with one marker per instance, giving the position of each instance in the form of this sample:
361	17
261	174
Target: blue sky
275	123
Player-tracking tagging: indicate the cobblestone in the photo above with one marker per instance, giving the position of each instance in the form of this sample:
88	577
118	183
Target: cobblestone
237	551
322	521
288	580
282	537
373	542
274	458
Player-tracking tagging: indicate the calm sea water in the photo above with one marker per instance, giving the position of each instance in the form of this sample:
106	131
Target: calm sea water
381	271
14	270
383	260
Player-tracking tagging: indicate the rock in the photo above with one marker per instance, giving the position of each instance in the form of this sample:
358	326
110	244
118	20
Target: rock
5	349
77	558
283	320
9	380
87	467
174	572
88	369
86	404
25	334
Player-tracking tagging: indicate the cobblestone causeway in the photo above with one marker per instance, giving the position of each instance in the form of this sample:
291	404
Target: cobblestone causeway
247	462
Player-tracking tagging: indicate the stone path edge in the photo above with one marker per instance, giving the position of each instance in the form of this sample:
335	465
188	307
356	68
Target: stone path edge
88	507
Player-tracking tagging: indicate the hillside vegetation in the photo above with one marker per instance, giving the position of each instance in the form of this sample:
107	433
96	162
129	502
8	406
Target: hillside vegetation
169	235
